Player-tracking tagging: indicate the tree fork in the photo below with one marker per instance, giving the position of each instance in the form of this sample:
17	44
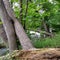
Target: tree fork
23	38
8	26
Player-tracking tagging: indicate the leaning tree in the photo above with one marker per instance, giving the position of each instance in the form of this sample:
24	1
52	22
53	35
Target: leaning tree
13	27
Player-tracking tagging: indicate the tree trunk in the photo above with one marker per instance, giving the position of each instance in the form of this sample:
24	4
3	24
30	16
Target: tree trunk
8	26
3	35
26	14
45	26
23	38
20	19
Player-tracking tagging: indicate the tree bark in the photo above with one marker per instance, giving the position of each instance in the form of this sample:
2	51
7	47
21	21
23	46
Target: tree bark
8	26
23	38
3	35
26	14
20	19
45	26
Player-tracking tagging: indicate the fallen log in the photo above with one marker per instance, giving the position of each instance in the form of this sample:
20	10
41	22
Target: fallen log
34	54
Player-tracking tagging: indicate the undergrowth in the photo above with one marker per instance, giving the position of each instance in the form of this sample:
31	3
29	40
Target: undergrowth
48	42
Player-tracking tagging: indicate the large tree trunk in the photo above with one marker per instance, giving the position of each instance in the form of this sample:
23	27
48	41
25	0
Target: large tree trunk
7	23
3	35
23	38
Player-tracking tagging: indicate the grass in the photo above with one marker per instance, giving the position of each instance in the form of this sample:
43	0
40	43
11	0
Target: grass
48	42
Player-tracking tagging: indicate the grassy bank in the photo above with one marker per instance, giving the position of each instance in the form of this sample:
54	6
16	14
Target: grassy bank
48	42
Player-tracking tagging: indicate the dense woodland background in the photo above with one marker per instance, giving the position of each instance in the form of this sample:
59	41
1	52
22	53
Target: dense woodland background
27	24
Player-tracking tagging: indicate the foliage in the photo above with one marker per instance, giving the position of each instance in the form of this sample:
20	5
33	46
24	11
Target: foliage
48	42
37	11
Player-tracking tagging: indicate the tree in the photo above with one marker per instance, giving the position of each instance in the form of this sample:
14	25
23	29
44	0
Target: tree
7	21
8	26
3	35
26	14
20	10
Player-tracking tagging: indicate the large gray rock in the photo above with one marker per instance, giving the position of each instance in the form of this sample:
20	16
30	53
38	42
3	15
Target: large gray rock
3	51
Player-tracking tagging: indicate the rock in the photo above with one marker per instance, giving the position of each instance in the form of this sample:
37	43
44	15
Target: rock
34	34
35	54
2	45
3	51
